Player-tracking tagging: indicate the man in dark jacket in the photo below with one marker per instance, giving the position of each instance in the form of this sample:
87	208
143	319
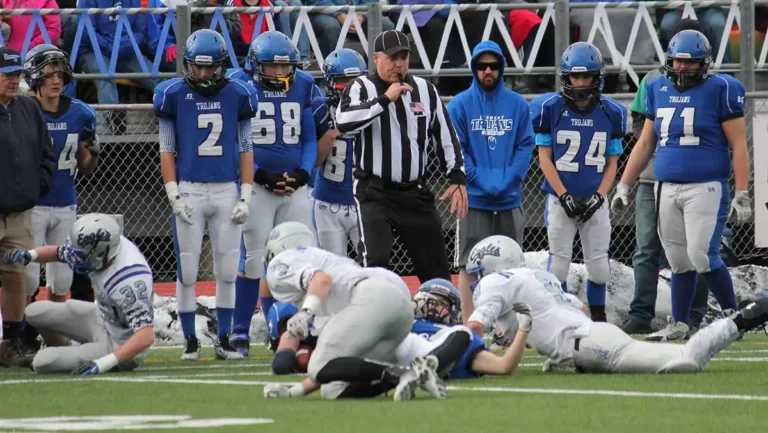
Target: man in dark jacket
26	167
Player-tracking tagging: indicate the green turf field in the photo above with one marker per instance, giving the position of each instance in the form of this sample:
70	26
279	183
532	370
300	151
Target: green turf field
731	395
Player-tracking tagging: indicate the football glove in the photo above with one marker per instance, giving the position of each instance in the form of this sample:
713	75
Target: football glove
182	210
268	179
590	206
17	255
523	314
243	207
741	211
620	198
276	390
571	206
298	325
101	365
91	142
300	177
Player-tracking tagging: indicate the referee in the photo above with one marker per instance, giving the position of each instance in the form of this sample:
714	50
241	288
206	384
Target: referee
397	116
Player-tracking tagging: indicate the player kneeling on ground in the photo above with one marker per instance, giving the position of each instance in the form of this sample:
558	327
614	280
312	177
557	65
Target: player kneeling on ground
114	333
573	342
461	352
369	317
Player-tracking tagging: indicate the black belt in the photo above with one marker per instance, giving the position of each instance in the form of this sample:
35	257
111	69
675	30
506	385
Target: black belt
387	184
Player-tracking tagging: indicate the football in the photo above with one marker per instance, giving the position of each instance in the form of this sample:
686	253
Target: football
302	358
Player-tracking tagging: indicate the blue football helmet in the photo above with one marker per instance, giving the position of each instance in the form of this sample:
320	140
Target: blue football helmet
342	63
445	308
688	45
206	48
40	57
581	58
276	48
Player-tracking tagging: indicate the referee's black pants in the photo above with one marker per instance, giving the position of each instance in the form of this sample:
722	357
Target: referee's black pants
408	208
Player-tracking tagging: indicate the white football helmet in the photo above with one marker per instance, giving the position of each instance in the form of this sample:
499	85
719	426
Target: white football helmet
93	242
494	254
286	236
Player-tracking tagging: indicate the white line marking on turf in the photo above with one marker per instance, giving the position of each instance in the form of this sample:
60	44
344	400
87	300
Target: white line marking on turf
750	359
611	392
205	366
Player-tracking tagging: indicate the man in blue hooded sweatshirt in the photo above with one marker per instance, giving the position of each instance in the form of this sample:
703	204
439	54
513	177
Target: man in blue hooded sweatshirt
494	127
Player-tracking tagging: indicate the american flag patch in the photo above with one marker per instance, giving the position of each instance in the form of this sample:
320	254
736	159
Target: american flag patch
417	108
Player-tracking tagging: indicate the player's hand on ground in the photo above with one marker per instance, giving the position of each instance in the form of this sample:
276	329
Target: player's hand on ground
571	206
458	196
182	210
17	255
298	325
240	212
396	90
591	205
620	198
741	209
86	369
276	390
523	314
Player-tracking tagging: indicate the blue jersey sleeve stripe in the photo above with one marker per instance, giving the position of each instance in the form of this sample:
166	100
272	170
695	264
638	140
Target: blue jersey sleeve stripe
543	139
544	104
248	92
125	277
127	269
623	112
727	93
165	92
614	147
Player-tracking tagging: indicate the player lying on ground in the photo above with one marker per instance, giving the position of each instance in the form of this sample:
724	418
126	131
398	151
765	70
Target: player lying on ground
568	338
579	133
695	121
115	332
205	150
284	153
370	316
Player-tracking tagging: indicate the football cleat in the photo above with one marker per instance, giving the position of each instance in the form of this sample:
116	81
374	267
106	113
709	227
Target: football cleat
222	349
410	379
240	342
428	378
673	331
755	313
191	349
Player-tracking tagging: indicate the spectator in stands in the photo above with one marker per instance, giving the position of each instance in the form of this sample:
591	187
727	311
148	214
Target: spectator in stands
649	254
493	125
6	29
155	25
431	25
26	168
287	25
284	22
712	19
106	29
203	21
20	23
327	27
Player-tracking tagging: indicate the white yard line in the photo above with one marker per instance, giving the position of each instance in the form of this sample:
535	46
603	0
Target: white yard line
205	366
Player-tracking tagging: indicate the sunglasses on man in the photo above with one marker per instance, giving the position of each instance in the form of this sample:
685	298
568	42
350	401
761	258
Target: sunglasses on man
482	66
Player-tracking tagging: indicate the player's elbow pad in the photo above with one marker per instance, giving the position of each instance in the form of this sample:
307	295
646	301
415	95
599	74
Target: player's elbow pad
284	362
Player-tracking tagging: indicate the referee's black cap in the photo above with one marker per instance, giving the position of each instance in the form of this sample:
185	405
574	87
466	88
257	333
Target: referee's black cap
391	42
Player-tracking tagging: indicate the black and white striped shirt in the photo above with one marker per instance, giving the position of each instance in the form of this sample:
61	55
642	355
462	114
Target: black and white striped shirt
394	136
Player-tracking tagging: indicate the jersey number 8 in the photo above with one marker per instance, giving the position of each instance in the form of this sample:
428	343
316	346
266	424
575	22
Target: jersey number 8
595	156
265	125
335	169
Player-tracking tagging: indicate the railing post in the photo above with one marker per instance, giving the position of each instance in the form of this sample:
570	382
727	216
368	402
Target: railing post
562	32
183	29
747	60
374	28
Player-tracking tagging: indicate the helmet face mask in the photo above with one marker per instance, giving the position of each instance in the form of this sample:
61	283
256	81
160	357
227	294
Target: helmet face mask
579	59
688	46
340	68
205	48
438	301
273	48
94	242
37	61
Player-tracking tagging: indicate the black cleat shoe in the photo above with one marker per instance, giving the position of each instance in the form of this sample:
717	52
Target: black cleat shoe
635	327
191	349
755	313
223	350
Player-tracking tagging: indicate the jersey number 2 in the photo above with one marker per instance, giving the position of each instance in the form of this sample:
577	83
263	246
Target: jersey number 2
209	147
67	157
595	156
334	163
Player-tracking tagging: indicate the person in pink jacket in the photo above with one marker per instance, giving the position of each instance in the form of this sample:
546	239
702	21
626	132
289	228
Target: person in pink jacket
20	23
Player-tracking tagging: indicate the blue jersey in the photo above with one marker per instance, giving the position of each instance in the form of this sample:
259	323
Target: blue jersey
581	139
66	129
284	130
207	129
462	368
334	177
274	315
691	145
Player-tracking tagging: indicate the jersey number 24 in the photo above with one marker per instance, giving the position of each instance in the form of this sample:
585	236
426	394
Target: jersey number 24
595	156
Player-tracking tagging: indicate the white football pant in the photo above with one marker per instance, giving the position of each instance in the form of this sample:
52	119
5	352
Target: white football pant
51	226
595	241
336	225
213	203
267	211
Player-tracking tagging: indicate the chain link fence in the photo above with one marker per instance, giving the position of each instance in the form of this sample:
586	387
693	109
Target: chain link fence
128	183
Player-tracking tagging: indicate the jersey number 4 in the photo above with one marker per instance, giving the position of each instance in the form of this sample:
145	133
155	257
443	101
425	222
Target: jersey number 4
687	114
265	125
334	163
68	156
595	156
209	146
